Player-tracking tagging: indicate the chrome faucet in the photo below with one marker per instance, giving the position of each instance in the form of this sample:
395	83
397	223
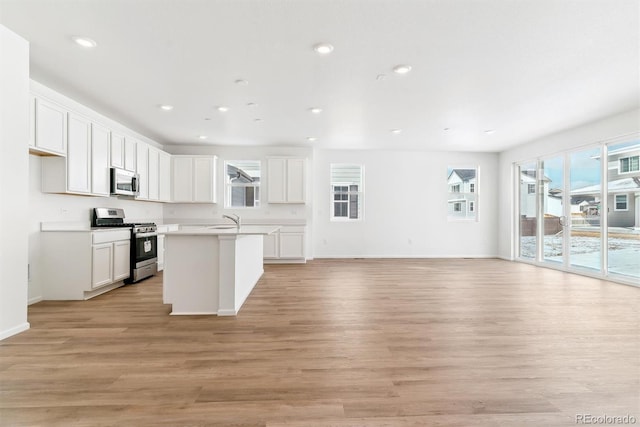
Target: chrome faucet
235	218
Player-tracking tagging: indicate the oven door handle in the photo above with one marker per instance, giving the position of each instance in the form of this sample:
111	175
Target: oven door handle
141	235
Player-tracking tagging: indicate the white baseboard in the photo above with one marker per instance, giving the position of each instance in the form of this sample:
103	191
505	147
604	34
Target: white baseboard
227	312
15	330
413	256
35	300
190	313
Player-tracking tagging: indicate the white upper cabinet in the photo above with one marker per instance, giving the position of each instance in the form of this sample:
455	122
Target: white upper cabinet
164	177
154	173
117	150
142	168
49	127
194	179
100	179
130	154
79	154
286	180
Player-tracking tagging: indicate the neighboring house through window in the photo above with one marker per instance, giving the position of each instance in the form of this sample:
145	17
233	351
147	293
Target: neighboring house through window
242	183
463	193
346	191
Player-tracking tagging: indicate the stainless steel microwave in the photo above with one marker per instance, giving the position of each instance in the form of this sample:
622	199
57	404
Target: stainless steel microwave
124	182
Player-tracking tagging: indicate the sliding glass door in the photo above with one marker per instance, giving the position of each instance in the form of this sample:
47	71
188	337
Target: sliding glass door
579	213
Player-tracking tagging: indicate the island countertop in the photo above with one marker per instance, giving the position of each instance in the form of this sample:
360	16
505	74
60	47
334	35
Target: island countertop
216	230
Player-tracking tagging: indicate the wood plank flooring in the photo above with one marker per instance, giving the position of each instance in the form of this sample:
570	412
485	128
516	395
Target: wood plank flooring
339	343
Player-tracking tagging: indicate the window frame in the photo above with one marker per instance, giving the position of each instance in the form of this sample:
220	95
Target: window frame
350	194
629	164
626	202
531	186
228	186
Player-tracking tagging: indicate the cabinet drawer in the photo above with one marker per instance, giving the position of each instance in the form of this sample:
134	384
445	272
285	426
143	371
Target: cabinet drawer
110	236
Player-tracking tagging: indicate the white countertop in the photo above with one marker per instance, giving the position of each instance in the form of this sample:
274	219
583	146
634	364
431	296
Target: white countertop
233	230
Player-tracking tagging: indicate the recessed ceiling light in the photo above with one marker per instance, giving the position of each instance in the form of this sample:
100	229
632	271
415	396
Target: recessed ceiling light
241	82
166	107
84	41
323	48
315	110
223	109
203	137
311	138
402	69
395	131
489	131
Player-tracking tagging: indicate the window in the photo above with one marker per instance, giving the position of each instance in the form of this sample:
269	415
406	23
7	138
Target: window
531	188
462	202
346	192
621	202
630	164
242	183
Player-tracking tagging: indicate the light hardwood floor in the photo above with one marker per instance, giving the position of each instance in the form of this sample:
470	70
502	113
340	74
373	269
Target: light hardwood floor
340	343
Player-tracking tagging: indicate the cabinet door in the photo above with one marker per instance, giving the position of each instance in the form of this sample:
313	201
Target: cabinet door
204	180
142	168
130	154
100	160
164	173
121	259
117	150
296	177
79	155
32	121
270	245
101	265
154	167
182	174
291	245
50	127
276	185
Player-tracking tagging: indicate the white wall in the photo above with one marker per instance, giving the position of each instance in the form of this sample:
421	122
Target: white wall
602	130
14	140
405	206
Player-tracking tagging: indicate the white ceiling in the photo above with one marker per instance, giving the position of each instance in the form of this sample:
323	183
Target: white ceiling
523	68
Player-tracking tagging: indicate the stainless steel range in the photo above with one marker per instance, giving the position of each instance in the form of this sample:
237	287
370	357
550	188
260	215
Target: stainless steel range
144	241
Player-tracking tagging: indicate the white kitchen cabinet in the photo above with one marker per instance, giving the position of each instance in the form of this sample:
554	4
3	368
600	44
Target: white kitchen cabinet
85	169
162	229
164	173
32	122
130	154
121	259
154	173
117	150
49	127
287	245
194	179
286	180
78	154
101	265
142	169
82	264
100	179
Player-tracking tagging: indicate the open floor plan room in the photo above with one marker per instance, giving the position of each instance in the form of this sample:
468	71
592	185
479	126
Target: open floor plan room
337	343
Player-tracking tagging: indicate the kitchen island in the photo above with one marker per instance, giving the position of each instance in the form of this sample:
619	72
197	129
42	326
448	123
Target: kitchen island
212	269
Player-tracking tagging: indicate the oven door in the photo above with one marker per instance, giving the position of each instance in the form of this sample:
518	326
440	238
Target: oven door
146	246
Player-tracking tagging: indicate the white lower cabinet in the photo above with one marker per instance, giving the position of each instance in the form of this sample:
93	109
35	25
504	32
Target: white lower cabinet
161	230
287	245
82	264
